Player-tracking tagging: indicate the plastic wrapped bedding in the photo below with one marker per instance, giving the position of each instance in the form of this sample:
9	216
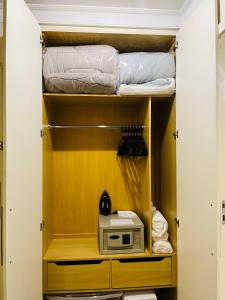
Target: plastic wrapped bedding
155	87
142	67
81	69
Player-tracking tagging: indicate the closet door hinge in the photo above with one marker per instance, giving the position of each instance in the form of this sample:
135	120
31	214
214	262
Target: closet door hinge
176	46
42	41
42	225
176	134
41	133
177	221
223	212
1	145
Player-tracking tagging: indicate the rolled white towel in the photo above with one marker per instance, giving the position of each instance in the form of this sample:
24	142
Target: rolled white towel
159	225
153	207
164	237
162	247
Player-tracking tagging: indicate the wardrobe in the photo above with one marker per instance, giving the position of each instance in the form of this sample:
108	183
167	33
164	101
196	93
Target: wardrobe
53	177
1	164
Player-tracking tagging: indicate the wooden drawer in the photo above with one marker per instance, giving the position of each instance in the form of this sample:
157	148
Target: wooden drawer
78	275
141	272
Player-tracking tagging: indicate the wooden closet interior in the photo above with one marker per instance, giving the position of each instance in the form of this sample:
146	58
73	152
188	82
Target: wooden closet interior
79	163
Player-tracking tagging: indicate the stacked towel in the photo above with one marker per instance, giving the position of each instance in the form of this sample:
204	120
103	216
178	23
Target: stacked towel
164	237
146	73
155	87
162	247
159	225
81	69
160	233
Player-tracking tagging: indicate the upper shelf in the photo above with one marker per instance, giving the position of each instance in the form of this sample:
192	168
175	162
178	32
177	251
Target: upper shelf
123	42
101	99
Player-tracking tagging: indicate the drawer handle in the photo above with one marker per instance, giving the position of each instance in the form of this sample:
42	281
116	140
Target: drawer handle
131	260
78	263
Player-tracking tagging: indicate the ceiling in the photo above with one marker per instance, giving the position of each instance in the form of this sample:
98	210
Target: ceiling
147	14
149	4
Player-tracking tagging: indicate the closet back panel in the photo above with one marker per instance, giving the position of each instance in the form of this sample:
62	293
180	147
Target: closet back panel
85	163
122	42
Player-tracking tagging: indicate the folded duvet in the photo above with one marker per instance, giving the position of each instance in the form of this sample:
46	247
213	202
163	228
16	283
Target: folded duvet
81	69
142	67
156	87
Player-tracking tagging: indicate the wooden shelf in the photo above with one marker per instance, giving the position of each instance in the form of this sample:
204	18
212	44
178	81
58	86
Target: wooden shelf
85	249
105	95
101	99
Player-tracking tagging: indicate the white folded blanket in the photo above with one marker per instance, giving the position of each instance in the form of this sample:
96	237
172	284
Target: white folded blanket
162	247
157	87
159	225
81	82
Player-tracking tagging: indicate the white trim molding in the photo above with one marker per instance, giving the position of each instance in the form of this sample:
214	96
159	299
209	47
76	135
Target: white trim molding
123	17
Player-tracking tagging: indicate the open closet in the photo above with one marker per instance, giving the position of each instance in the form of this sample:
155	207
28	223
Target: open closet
58	166
81	135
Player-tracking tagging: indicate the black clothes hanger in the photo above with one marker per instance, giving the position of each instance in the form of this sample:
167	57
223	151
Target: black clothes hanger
132	142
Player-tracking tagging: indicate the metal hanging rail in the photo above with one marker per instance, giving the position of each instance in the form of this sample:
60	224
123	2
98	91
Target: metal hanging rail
91	126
